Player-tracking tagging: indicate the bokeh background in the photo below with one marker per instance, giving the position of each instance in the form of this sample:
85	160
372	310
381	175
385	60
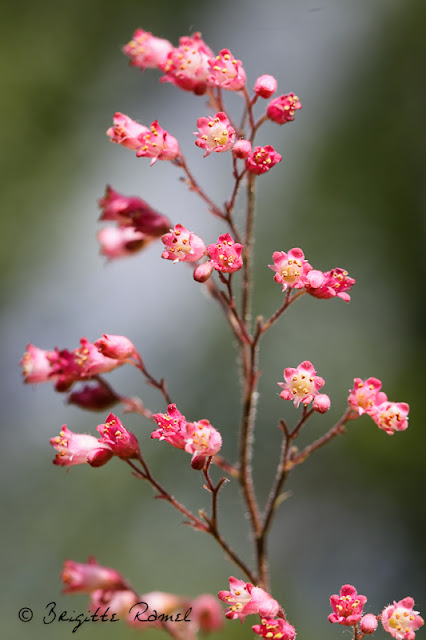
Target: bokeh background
350	191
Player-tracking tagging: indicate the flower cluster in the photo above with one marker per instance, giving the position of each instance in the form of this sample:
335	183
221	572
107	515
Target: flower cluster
399	619
137	224
111	595
200	438
293	271
244	599
79	448
366	397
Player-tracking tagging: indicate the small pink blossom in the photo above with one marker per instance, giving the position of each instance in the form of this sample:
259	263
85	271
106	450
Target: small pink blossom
282	109
202	440
242	149
245	599
400	619
120	242
336	283
291	269
132	211
109	601
368	623
277	629
38	364
91	362
227	72
366	395
347	607
262	159
158	144
187	66
391	416
116	347
126	131
147	51
182	245
321	403
94	397
203	272
215	134
265	86
79	448
301	384
226	254
207	613
87	577
171	427
123	443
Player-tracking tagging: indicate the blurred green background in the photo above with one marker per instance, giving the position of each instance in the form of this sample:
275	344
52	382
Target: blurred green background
350	191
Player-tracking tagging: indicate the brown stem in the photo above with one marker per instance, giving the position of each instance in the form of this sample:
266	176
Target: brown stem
131	405
229	314
194	186
157	384
338	428
289	299
229	468
249	104
248	250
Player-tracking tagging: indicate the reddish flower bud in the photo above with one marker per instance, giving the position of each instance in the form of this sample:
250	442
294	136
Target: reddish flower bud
207	613
116	347
85	578
94	397
321	403
242	149
203	271
368	623
146	51
265	86
132	211
119	242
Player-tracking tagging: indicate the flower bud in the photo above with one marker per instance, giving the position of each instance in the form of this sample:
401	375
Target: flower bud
203	271
93	397
368	623
321	403
242	149
265	86
116	347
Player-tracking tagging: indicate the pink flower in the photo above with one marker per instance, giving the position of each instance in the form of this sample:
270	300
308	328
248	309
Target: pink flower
123	443
368	623
187	65
119	242
400	620
391	416
171	427
94	397
336	283
79	448
38	364
215	134
291	269
262	159
265	86
301	384
158	144
146	51
207	613
282	109
182	245
126	131
132	211
277	629
227	72
202	440
85	578
111	601
347	607
321	403
365	395
226	254
245	599
242	149
91	362
116	347
159	602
